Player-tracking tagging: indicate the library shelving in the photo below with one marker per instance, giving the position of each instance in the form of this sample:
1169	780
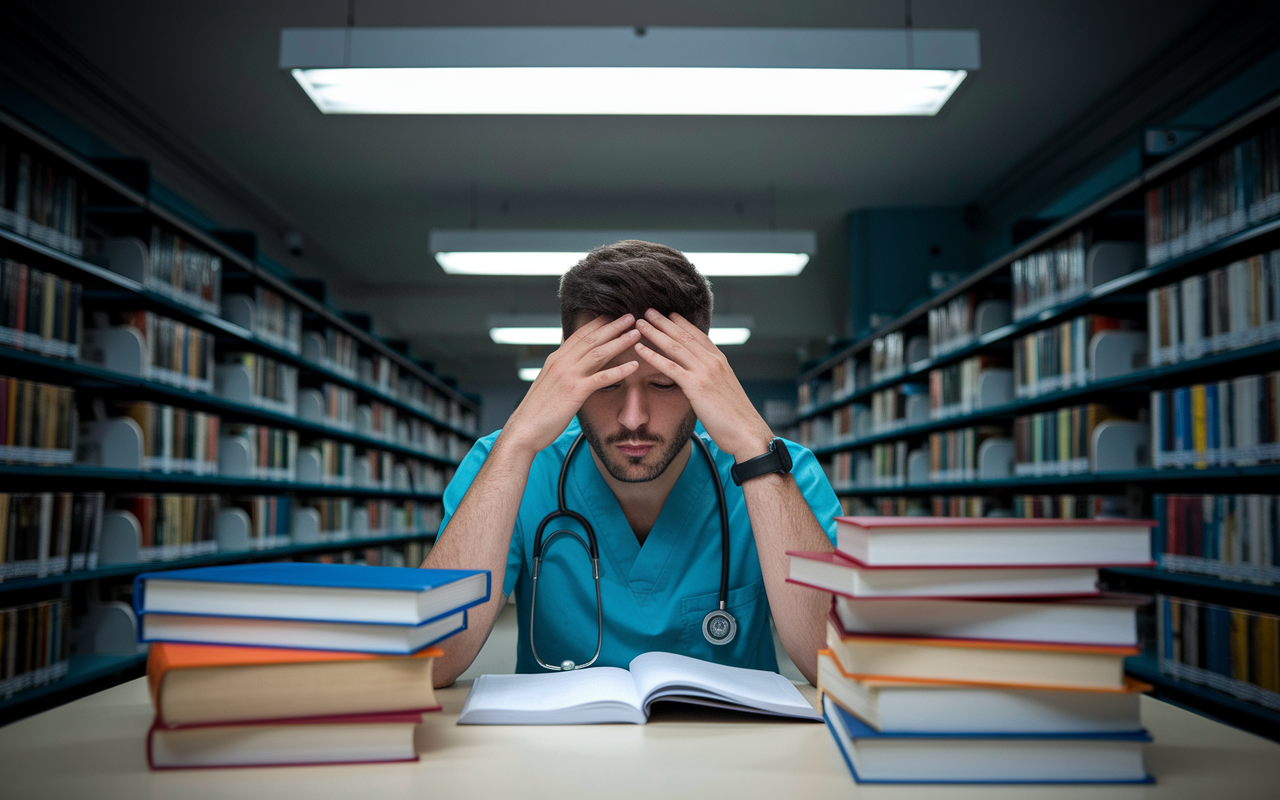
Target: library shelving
1120	361
166	401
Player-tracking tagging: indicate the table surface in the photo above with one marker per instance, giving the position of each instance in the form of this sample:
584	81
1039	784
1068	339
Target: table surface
94	747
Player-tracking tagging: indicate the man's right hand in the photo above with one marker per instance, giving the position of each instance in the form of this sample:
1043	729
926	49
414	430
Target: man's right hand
570	375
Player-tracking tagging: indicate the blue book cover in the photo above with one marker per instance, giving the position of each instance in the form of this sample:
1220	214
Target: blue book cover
858	729
338	577
1181	419
1211	416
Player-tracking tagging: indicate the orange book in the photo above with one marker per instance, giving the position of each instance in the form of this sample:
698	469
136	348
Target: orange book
980	662
196	684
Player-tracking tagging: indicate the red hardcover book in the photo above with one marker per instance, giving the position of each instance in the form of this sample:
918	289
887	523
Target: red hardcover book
362	739
994	542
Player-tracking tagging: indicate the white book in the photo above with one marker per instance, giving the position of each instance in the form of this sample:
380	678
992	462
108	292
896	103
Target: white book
988	542
302	634
1193	317
614	695
911	706
834	573
1104	620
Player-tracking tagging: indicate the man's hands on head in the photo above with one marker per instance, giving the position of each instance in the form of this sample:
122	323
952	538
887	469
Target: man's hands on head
569	376
703	373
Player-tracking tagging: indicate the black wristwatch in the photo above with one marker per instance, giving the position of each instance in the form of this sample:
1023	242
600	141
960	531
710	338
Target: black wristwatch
778	459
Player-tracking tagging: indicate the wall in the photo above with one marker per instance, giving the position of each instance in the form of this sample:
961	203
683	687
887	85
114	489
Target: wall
893	250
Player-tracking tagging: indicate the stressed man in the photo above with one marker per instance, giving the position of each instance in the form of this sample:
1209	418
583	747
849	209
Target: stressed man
639	379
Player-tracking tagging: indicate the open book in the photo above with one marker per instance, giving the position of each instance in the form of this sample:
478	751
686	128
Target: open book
610	694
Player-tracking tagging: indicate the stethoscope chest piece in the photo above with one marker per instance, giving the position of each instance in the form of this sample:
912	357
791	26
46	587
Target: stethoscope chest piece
719	626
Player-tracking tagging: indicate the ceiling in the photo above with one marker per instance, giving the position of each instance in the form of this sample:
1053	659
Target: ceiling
365	190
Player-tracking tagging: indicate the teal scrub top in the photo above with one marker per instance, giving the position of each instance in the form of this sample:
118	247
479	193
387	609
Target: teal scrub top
655	595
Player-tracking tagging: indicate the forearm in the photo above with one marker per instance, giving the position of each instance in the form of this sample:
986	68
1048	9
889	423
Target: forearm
782	521
478	536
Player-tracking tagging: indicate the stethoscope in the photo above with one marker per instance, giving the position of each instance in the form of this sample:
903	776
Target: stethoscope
718	625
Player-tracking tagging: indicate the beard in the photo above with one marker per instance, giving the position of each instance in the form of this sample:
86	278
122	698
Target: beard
631	469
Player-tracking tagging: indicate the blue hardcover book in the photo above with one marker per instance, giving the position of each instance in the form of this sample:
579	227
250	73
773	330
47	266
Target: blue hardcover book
314	606
1182	420
875	757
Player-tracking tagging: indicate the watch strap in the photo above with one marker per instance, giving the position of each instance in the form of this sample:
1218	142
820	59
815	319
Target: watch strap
778	459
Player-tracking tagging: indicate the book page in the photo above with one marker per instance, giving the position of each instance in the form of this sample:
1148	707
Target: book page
597	694
660	675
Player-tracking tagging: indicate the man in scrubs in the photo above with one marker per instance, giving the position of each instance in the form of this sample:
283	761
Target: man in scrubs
639	376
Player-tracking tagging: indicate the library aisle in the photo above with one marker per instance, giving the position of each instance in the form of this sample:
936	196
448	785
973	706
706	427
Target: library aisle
276	277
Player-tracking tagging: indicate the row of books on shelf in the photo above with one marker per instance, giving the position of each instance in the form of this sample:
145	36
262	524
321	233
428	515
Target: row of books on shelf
1065	441
49	533
39	311
1058	357
54	533
1230	650
37	422
38	425
1220	193
1233	422
985	645
959	455
42	313
962	319
968	385
33	645
1024	506
40	199
1062	441
1230	536
1216	311
268	316
44	200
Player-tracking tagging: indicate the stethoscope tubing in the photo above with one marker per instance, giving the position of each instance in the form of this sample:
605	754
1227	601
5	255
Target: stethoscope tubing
591	545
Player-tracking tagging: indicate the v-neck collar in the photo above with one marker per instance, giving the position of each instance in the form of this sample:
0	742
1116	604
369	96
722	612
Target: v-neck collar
640	567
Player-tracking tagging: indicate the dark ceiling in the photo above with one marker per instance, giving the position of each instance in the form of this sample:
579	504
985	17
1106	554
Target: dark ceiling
364	190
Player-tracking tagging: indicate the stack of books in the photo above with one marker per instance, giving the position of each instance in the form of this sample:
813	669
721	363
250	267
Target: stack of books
965	650
287	664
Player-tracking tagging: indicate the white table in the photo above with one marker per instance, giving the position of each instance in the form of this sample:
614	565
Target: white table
94	748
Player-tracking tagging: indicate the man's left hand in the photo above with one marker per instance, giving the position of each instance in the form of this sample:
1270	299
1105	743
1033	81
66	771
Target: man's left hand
702	372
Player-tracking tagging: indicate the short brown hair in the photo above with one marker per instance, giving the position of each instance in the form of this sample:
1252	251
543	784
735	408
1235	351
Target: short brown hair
632	277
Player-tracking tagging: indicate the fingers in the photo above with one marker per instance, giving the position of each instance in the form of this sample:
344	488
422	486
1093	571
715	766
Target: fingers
608	377
680	329
610	349
598	330
678	348
661	363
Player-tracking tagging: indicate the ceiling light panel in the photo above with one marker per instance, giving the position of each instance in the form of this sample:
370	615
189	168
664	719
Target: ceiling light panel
533	252
703	71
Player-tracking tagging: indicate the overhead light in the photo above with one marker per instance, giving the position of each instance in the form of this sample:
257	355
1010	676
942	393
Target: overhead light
529	373
723	336
544	330
541	252
702	71
525	335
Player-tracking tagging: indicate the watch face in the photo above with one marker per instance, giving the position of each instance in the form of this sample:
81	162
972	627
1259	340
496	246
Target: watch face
784	454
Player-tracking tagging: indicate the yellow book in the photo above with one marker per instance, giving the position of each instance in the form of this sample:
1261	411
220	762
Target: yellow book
1266	646
1199	425
1239	633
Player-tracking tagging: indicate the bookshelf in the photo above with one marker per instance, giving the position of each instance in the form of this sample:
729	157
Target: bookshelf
118	301
1132	437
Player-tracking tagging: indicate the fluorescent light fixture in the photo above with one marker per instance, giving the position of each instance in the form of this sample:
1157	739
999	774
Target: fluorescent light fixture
700	71
725	336
525	335
537	329
531	263
714	253
631	91
529	374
